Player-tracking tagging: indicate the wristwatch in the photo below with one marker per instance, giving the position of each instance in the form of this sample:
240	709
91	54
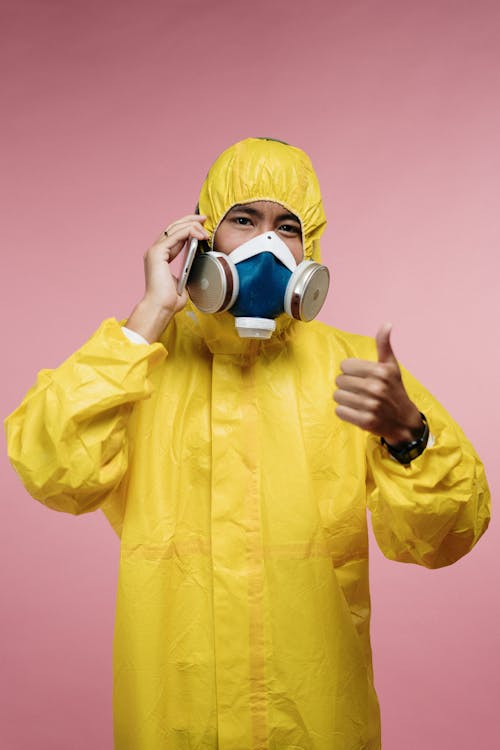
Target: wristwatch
406	452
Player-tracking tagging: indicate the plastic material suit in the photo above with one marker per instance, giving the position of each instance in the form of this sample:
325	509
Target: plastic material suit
240	498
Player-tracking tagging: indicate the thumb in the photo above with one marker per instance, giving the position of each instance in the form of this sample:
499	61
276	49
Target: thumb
384	348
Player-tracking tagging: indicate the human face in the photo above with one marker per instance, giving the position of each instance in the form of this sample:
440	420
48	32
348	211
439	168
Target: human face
245	221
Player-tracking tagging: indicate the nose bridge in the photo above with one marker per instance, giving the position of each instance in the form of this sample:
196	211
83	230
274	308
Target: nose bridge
268	224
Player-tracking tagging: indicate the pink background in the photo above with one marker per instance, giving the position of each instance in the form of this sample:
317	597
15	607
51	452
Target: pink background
113	113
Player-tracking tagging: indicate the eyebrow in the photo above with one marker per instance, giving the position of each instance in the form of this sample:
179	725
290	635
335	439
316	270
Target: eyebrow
241	207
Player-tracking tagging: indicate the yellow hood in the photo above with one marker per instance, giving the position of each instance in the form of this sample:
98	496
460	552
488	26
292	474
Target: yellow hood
251	170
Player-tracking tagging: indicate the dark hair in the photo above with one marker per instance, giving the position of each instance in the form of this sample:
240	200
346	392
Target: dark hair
276	140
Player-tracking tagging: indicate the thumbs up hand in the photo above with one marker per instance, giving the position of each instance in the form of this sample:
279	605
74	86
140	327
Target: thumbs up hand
372	396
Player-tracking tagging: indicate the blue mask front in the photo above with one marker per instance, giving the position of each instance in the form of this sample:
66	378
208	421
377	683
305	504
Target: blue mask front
263	281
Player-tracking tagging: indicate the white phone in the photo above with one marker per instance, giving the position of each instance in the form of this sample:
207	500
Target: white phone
186	268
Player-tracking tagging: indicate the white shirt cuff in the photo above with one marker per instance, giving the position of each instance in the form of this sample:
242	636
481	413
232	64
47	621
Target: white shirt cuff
134	337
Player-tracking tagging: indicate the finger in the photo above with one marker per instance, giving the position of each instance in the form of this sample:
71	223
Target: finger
362	419
351	383
183	231
177	226
363	368
175	242
180	226
186	219
383	340
357	401
182	239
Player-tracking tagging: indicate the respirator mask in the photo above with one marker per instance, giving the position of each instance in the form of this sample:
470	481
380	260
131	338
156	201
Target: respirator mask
256	283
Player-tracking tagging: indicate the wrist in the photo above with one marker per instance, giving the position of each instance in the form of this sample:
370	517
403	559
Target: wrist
412	429
149	319
405	452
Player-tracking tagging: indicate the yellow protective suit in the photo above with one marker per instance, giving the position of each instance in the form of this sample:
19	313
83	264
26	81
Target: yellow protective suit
240	499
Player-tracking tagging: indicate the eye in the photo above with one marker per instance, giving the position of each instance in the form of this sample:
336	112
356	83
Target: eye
243	221
291	229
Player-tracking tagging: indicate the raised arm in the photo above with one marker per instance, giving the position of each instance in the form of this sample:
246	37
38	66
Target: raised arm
432	509
68	439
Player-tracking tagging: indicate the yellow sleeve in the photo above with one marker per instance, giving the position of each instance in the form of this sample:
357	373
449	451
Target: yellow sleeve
68	438
433	511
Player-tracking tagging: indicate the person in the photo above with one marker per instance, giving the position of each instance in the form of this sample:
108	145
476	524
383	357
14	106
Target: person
239	486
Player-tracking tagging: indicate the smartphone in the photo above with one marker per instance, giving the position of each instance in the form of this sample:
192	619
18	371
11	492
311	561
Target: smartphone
188	262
